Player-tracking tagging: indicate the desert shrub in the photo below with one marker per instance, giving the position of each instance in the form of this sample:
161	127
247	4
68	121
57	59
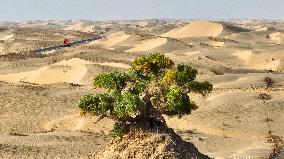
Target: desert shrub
268	81
217	71
152	86
119	129
264	96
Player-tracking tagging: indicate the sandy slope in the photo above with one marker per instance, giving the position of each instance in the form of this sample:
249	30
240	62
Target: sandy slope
228	126
70	71
260	28
216	43
264	61
112	39
6	37
43	122
148	45
81	26
196	29
277	37
113	64
118	40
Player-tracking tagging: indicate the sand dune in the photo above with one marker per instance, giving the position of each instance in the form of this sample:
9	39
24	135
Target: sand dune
196	29
244	55
113	64
260	28
277	37
244	127
263	61
6	37
80	26
118	40
113	39
70	71
148	45
78	123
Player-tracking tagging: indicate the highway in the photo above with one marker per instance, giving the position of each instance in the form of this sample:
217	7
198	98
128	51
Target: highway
62	46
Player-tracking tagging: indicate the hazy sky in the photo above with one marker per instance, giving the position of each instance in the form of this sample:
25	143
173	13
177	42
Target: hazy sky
13	10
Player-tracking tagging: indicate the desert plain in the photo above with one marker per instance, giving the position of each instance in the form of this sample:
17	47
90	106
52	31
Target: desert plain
39	92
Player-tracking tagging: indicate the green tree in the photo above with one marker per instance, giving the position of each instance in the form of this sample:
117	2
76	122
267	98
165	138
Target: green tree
153	86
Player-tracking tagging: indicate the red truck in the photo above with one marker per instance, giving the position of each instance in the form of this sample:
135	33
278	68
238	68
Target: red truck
66	42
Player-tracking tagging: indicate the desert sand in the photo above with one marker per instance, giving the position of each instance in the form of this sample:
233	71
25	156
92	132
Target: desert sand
244	60
148	45
81	26
69	71
6	37
277	37
196	29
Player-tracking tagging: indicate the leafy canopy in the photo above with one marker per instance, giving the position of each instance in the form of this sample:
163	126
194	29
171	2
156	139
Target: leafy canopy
152	86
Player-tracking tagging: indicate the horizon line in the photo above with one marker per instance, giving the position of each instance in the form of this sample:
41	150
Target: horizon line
148	19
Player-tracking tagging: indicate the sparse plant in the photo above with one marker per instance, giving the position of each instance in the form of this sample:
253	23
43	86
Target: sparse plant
264	96
269	82
153	86
217	71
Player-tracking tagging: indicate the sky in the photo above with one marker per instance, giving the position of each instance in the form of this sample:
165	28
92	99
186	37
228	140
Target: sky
18	10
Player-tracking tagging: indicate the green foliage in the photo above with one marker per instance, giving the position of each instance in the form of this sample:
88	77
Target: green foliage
119	129
98	104
114	80
153	86
185	74
126	105
180	75
153	64
170	76
200	87
177	101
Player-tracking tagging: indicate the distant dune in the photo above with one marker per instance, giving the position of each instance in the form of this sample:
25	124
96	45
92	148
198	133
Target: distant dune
6	37
112	39
196	29
148	45
277	37
70	71
118	39
81	26
265	61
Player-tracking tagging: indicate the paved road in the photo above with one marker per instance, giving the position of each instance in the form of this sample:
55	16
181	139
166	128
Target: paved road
57	47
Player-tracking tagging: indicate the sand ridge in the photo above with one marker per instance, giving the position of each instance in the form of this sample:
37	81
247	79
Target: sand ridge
148	45
277	37
80	26
6	37
114	64
196	29
70	71
262	61
112	39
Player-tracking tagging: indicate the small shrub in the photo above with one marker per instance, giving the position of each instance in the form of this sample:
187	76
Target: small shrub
269	82
264	96
217	71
